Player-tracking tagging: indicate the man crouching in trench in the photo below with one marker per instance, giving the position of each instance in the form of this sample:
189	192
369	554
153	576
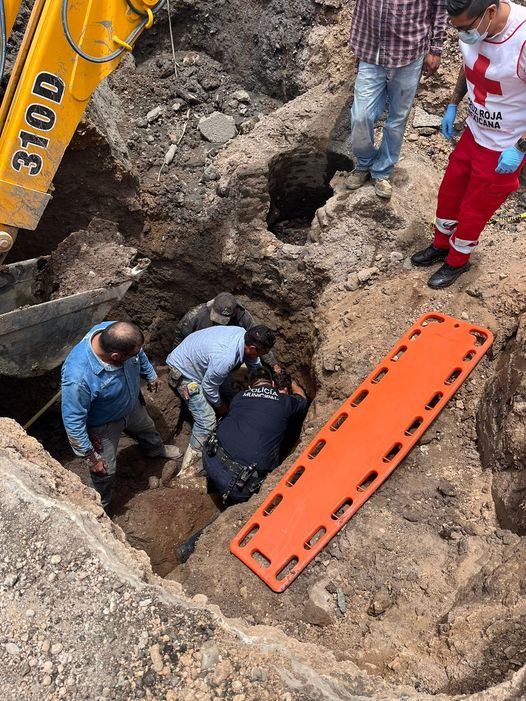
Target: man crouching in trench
245	448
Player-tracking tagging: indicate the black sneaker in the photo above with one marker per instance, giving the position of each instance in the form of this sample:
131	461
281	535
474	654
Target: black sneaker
429	255
446	276
184	550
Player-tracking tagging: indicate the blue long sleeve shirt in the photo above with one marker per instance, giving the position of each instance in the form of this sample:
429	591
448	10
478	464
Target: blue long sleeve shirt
95	393
207	356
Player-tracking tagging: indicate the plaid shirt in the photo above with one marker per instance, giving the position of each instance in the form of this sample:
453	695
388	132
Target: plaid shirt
393	33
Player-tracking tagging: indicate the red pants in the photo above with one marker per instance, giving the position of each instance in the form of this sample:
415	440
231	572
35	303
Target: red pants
469	195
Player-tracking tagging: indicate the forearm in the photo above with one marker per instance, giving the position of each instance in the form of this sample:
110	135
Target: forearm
461	88
79	439
296	389
75	407
210	387
178	337
269	359
438	21
146	370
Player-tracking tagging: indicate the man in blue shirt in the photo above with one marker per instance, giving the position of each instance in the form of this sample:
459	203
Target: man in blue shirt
201	363
223	310
101	399
246	446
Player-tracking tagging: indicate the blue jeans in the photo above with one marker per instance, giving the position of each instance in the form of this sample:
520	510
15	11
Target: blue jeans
375	86
202	412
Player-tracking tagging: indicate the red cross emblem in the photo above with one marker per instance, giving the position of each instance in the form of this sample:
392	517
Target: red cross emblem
483	86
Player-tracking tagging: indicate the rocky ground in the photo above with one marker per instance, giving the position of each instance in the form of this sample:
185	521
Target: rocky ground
422	594
119	632
435	539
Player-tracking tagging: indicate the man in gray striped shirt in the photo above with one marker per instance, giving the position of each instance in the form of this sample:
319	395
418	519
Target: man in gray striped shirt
392	40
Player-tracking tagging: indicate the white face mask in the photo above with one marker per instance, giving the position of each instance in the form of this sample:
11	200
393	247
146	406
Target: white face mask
473	36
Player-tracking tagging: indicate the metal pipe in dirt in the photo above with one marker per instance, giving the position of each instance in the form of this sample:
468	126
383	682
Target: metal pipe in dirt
39	413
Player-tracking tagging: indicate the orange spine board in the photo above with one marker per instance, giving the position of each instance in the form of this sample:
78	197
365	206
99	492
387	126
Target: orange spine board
359	447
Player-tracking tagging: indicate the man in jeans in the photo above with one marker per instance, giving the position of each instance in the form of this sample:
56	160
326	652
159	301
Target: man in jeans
101	399
199	366
392	40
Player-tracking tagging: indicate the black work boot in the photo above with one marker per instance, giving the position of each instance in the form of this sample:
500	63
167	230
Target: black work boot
429	255
446	275
184	550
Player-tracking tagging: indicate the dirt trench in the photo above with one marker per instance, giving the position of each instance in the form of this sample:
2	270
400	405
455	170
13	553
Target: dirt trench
431	570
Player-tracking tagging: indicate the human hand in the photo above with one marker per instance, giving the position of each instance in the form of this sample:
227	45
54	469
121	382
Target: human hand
153	385
431	64
296	389
99	467
509	160
222	409
448	122
277	368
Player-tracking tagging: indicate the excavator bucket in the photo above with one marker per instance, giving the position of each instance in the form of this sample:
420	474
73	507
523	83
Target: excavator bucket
36	337
68	48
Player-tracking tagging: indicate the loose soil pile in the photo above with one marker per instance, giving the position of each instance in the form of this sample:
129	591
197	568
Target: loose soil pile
88	259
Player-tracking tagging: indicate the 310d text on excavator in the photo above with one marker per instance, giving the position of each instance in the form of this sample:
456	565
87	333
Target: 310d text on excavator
68	48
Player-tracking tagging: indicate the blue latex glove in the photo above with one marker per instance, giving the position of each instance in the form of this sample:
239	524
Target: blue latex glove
448	120
509	160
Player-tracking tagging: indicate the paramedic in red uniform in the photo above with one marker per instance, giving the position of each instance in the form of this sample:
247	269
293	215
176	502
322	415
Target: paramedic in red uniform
484	167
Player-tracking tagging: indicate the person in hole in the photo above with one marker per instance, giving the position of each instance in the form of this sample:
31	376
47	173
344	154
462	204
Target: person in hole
101	398
223	310
246	446
198	368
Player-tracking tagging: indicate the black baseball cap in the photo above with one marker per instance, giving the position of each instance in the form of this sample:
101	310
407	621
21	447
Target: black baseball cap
223	307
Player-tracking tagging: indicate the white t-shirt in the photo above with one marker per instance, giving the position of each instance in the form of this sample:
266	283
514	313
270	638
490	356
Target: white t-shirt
496	80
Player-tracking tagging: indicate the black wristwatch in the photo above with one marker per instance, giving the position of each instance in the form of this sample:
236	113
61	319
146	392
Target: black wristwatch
521	145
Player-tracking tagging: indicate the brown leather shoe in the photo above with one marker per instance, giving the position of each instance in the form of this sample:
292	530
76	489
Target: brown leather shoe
356	179
383	188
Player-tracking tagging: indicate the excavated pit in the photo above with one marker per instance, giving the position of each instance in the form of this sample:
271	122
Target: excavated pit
299	185
156	510
431	570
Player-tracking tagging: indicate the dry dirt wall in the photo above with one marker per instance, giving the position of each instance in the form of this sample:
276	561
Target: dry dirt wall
83	617
415	564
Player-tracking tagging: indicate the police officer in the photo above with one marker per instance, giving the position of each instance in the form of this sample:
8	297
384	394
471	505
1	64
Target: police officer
246	446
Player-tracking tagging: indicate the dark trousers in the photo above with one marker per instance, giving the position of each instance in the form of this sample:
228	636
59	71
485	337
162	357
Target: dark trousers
220	478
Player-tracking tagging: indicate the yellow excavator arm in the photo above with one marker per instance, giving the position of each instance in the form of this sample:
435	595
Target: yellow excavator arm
69	47
10	9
